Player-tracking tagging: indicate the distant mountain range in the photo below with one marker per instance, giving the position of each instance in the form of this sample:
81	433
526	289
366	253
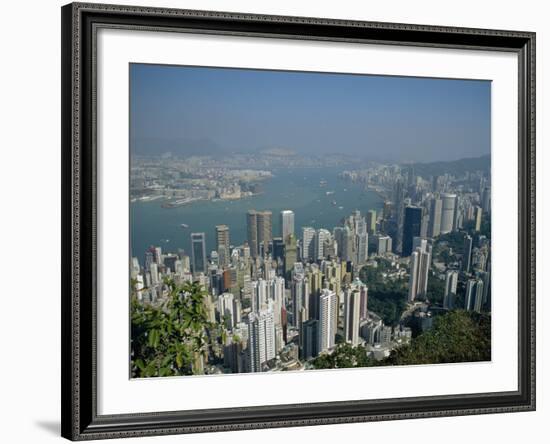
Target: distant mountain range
454	167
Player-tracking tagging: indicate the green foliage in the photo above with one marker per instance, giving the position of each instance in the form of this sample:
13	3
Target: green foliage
435	290
168	339
458	336
343	356
387	298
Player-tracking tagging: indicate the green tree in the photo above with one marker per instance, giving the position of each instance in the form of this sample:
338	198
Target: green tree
172	338
457	336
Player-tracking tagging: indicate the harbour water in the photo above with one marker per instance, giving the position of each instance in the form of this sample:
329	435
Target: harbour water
316	195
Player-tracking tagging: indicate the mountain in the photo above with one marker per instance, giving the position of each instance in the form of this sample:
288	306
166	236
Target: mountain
454	167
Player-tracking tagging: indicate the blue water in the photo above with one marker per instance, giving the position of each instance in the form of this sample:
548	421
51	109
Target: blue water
297	189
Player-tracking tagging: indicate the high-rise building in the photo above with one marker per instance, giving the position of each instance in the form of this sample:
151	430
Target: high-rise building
252	231
226	308
308	244
222	244
434	224
447	212
291	254
477	218
486	200
299	291
310	341
328	315
322	239
198	252
383	244
451	280
420	268
467	254
361	241
259	231
371	221
411	228
287	223
261	338
352	302
473	299
265	231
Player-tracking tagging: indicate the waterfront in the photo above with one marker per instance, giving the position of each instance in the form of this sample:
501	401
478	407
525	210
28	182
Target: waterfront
302	190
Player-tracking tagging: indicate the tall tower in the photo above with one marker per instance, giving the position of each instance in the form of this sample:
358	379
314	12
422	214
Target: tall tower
474	295
308	244
420	268
198	252
261	338
451	280
447	212
328	314
252	232
352	305
467	255
371	221
434	225
222	244
411	228
265	231
287	223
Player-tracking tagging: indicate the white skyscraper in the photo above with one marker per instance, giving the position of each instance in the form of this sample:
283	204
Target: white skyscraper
451	280
322	238
447	212
308	244
226	307
287	223
261	338
328	313
352	305
420	268
259	294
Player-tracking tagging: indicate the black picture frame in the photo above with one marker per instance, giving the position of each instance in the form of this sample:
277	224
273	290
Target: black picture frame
80	420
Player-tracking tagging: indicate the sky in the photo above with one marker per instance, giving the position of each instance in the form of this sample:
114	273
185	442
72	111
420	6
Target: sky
193	110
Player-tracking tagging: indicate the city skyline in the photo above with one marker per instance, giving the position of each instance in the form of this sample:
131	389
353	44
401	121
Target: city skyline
301	252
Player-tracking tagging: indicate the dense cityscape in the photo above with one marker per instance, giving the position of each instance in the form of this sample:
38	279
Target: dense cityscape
357	293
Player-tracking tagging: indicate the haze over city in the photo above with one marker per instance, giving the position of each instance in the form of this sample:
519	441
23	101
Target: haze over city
215	111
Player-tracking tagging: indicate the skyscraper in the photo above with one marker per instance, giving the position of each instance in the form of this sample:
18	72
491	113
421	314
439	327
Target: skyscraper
420	268
252	231
371	221
447	212
226	308
322	238
328	314
287	223
259	231
222	244
265	232
261	338
291	254
411	228
198	252
467	254
434	225
477	218
352	301
451	280
299	291
310	341
308	244
474	295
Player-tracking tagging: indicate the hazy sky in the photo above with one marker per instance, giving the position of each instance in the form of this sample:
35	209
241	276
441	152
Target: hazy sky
212	110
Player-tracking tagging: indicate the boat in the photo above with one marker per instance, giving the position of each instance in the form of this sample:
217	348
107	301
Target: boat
184	226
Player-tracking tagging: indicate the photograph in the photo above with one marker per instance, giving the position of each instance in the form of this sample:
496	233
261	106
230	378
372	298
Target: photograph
302	221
